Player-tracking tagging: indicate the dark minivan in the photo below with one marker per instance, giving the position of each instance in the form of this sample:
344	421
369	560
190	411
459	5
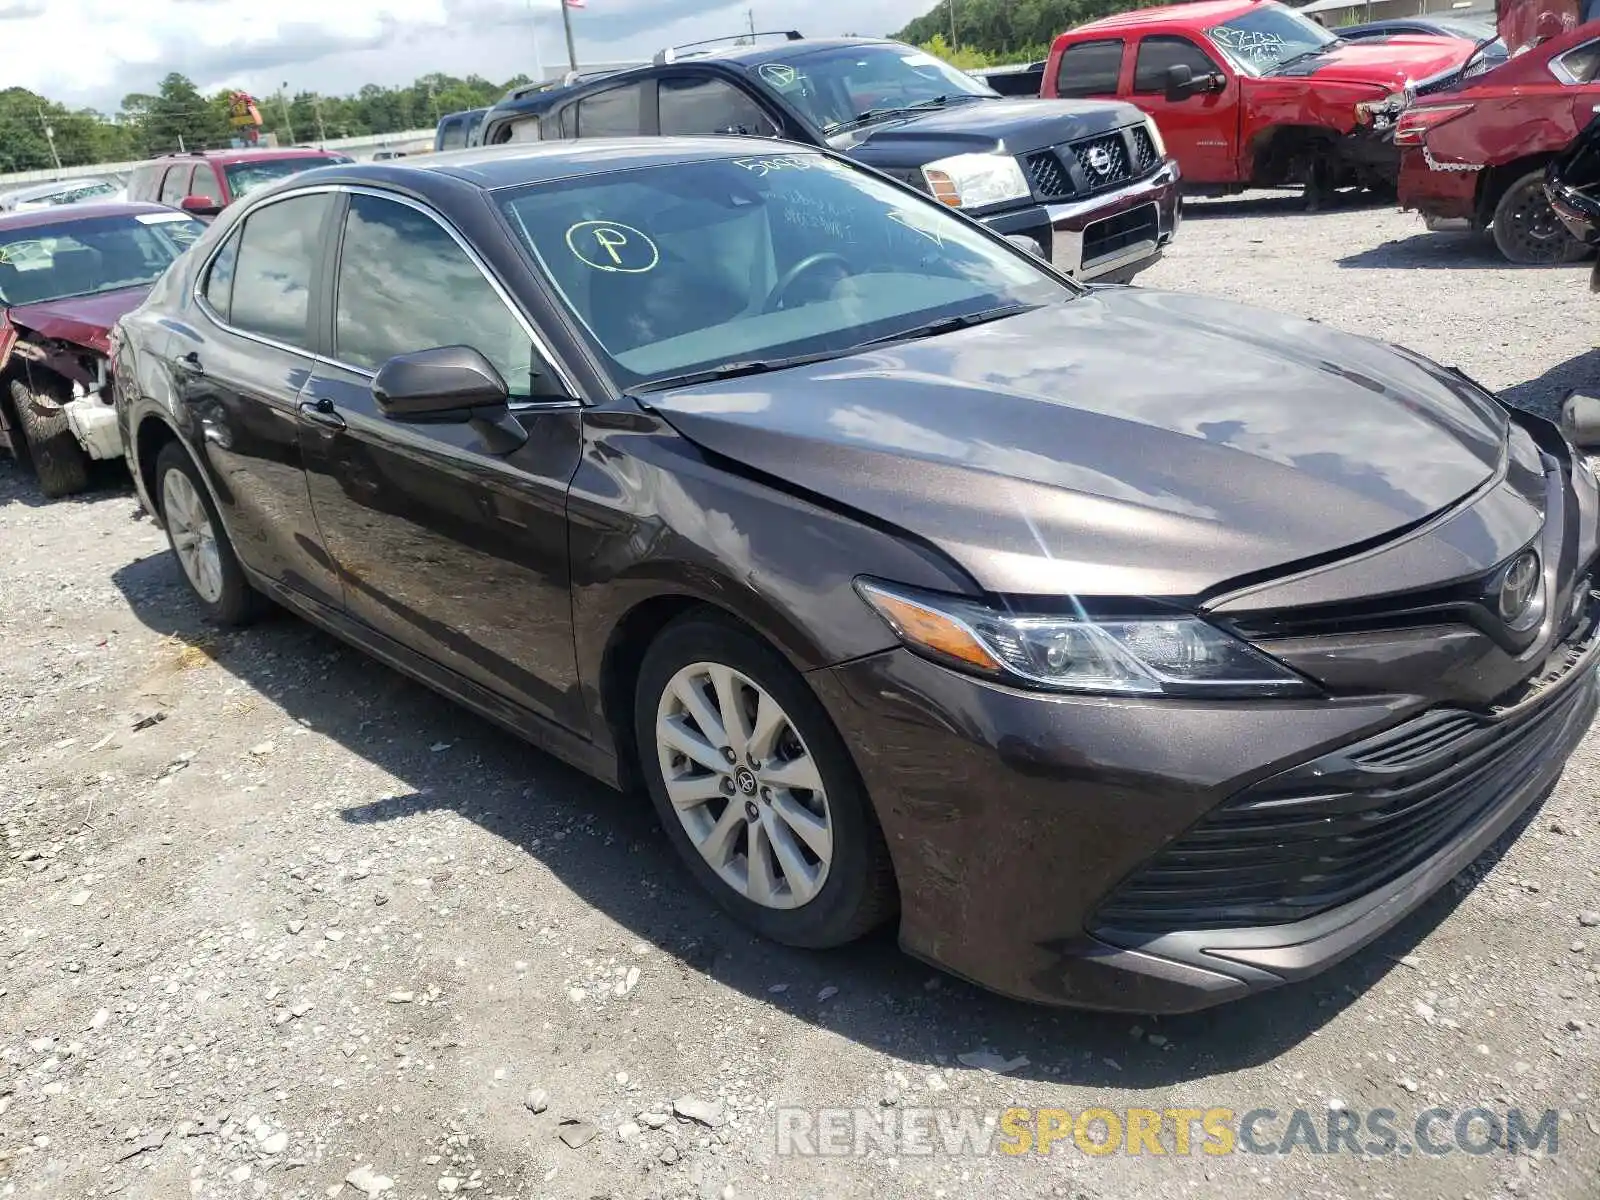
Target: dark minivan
1087	182
1140	650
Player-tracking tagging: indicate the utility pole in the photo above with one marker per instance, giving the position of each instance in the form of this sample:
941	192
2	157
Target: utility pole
283	103
750	16
316	107
566	23
49	136
954	44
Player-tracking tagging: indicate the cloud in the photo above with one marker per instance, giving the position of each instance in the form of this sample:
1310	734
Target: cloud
96	51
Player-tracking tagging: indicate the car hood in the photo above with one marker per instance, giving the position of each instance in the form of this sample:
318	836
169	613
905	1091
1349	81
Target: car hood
84	320
1129	442
979	126
1390	63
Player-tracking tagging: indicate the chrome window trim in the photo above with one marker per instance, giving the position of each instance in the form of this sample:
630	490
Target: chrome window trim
1558	66
350	189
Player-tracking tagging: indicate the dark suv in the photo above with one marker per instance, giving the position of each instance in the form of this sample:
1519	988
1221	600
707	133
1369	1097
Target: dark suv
204	182
1088	183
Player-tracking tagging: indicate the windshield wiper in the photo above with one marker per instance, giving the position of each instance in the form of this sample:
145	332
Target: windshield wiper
736	369
1305	54
874	114
953	323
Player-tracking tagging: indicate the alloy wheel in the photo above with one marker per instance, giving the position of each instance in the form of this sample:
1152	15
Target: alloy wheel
744	785
193	538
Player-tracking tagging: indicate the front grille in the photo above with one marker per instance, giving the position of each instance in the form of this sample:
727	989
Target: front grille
1102	239
1334	829
1103	161
1090	165
1049	178
1144	150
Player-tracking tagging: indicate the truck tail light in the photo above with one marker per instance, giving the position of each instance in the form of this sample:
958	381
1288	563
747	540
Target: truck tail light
1415	123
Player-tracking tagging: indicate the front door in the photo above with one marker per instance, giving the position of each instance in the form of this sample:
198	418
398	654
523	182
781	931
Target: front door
1201	131
239	373
446	543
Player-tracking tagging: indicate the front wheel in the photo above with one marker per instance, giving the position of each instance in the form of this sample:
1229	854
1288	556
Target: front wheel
755	788
200	543
58	462
1527	230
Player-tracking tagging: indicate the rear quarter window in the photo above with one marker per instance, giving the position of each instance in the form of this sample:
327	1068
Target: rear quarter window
1090	68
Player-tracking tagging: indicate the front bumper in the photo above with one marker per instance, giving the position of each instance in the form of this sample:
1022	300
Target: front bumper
1107	238
1023	824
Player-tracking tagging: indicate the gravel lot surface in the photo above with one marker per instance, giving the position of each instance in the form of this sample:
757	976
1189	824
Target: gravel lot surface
276	922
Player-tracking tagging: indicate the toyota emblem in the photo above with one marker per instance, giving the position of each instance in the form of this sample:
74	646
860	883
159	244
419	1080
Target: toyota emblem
1099	160
1519	585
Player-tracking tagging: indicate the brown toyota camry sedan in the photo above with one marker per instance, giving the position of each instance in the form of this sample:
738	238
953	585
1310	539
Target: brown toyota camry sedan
1132	649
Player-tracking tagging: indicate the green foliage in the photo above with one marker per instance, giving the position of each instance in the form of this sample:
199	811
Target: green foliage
177	115
1006	31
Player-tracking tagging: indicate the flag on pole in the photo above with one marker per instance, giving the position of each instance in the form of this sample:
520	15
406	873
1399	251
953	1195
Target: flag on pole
574	3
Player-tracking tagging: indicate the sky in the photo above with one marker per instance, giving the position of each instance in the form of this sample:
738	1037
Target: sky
94	52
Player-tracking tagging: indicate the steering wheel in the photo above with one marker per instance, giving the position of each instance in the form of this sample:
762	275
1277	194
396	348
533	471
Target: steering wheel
806	265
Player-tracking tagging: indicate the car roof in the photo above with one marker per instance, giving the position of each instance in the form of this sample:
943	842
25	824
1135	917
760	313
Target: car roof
517	163
259	154
774	51
63	213
1199	14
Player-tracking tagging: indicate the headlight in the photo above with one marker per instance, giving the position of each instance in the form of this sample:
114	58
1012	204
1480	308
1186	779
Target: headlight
1155	137
1166	655
974	180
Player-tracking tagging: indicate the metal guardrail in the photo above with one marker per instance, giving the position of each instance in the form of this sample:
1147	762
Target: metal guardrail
408	140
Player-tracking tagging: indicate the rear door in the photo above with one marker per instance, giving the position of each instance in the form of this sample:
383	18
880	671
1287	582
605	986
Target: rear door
1201	131
446	544
176	184
239	373
1087	69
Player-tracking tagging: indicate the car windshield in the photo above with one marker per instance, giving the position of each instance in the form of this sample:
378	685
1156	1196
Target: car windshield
1268	38
683	268
99	254
833	87
246	177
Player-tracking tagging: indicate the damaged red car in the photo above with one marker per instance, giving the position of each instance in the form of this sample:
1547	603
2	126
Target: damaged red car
66	276
1478	151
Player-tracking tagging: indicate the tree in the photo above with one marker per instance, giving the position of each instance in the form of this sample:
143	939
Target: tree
1009	30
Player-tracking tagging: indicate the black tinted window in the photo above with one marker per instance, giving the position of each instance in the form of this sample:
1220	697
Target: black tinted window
176	186
276	266
610	114
697	107
406	285
1156	54
1090	69
219	281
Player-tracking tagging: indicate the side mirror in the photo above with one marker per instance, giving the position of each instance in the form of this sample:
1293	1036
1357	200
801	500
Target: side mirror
449	385
200	206
1580	420
1024	242
1180	83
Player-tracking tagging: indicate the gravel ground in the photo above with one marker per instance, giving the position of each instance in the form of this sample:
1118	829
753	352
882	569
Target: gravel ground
276	922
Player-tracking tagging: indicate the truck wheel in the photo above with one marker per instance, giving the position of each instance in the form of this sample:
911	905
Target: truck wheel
53	450
1527	230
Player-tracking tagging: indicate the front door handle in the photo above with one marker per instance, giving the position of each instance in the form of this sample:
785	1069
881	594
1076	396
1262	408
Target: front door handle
321	412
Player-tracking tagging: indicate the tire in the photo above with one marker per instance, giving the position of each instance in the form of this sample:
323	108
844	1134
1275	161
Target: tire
58	461
1527	230
800	899
200	543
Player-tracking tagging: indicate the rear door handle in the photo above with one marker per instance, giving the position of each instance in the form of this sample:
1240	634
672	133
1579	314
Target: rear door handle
190	363
321	412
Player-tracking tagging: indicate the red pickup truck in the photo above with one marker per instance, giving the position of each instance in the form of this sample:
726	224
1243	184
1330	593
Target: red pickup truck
1249	93
1478	151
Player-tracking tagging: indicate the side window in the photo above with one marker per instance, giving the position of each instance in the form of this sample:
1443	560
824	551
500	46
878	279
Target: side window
205	183
520	129
143	184
614	113
278	252
406	285
569	121
697	107
1156	54
452	134
1579	65
1090	69
176	185
219	280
